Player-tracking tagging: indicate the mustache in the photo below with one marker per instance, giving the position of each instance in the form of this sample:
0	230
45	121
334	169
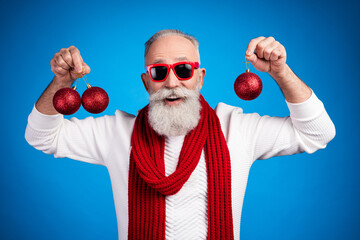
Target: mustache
178	92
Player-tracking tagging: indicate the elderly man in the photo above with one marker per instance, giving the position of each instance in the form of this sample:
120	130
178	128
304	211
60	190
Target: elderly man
179	168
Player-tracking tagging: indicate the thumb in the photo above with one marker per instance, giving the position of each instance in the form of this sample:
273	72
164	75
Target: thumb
252	58
258	63
86	68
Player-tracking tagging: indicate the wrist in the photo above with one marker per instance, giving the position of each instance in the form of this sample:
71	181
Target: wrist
285	76
61	82
293	88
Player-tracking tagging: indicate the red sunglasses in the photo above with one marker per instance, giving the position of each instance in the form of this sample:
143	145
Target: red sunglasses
182	70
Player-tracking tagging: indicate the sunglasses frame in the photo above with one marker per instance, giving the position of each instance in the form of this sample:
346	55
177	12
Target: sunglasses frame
194	65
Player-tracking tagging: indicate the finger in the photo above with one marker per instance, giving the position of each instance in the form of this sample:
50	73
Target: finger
278	53
258	63
52	64
76	58
260	47
60	71
269	48
66	56
275	54
56	69
86	68
60	62
252	58
252	45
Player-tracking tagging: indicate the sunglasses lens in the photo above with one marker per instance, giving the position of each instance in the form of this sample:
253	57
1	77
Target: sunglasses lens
158	73
184	70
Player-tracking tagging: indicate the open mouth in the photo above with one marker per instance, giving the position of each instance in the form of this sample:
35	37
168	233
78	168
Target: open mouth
171	100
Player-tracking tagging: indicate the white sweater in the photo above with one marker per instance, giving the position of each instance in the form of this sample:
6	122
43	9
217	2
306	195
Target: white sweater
106	141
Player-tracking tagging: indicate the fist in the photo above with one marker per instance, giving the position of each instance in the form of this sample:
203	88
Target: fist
68	65
267	55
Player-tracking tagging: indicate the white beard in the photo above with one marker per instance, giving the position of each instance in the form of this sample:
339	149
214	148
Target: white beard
178	119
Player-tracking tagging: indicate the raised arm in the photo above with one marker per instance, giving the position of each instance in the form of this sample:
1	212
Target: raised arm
308	128
47	130
268	55
67	65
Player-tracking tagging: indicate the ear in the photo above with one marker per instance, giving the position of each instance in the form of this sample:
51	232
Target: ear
201	77
145	82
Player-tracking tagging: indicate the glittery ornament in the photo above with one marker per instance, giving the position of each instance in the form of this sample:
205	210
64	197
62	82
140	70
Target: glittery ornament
248	85
67	101
94	99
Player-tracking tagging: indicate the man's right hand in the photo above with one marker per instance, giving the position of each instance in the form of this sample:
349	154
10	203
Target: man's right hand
68	65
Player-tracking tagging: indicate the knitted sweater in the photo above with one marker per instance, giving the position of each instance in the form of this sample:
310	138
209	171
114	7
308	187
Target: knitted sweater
106	141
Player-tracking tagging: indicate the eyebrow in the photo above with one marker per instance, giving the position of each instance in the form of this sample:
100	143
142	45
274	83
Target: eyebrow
177	59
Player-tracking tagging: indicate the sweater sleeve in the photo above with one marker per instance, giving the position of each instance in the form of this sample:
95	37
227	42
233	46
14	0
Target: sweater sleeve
86	140
307	129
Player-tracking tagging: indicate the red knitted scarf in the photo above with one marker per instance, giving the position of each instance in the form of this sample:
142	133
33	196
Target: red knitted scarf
148	185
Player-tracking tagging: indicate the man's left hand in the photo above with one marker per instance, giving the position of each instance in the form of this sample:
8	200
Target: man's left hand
267	55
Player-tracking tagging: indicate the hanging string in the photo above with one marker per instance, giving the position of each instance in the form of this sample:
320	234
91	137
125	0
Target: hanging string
247	63
75	84
86	81
83	76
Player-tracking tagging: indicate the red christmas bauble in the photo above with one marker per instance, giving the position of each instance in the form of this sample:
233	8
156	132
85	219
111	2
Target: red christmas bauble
248	86
67	101
95	100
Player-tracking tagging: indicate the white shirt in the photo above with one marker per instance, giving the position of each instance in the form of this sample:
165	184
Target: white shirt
106	141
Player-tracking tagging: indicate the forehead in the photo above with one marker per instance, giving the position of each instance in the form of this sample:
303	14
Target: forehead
170	48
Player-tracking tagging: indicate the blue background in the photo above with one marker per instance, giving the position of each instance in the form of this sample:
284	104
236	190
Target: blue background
295	197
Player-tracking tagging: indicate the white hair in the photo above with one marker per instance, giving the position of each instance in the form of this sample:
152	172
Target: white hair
170	32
